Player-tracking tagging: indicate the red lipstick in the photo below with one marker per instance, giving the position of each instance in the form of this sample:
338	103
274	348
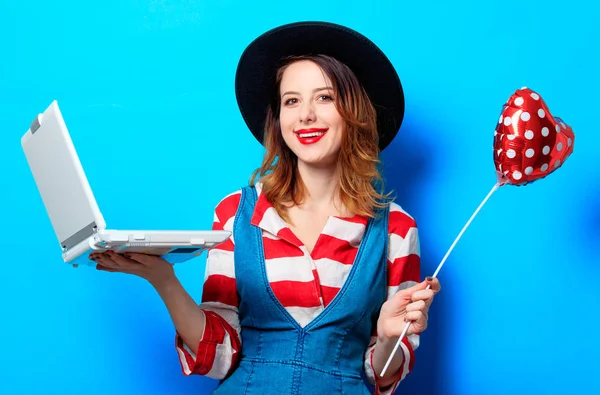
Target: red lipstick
310	136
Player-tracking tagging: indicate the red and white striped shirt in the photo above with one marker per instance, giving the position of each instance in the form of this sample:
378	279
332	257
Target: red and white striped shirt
304	283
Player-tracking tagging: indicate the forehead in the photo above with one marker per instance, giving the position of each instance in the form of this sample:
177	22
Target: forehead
304	74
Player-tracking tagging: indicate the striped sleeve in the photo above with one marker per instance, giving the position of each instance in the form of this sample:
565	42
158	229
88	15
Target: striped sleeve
218	351
403	272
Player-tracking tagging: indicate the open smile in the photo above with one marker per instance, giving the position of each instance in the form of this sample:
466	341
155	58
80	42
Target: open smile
310	136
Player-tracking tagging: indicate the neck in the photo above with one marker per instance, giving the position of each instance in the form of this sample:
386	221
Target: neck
321	185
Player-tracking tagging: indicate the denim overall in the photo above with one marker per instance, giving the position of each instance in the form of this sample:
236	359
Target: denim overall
278	356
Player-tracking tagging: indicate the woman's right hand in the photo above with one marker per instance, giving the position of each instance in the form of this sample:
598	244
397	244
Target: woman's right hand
150	267
187	316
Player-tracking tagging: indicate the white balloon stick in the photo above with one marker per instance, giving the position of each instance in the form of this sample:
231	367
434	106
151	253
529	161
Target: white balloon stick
496	186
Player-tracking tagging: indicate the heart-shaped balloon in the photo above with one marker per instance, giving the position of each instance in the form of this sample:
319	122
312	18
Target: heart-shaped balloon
529	142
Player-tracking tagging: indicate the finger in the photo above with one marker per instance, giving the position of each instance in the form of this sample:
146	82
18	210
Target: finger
121	260
94	256
127	265
425	294
108	260
434	283
143	258
418	325
415	316
419	305
105	261
108	265
107	269
407	292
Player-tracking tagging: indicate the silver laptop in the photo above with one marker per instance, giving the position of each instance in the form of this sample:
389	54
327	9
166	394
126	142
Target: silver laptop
74	213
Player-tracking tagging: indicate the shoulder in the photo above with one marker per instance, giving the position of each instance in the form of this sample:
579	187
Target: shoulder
227	207
400	222
404	243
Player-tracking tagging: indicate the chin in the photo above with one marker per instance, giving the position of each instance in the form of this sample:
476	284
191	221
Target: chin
318	161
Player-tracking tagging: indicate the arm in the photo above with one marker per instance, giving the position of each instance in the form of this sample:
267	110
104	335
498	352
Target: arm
207	337
403	273
187	316
209	345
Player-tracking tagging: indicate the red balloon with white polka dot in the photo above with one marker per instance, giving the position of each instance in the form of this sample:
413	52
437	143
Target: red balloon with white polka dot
529	142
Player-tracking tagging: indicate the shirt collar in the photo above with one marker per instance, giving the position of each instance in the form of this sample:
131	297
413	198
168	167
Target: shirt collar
266	218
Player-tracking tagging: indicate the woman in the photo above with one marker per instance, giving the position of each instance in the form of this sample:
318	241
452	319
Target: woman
321	273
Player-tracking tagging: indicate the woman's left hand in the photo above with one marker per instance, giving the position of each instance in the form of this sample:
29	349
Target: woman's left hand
410	304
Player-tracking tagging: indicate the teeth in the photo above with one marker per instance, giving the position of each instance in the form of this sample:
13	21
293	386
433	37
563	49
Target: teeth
315	134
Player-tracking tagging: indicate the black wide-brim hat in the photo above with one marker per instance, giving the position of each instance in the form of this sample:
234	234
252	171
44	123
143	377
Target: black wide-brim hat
255	76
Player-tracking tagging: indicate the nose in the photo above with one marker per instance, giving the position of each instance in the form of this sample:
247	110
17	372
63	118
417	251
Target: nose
307	112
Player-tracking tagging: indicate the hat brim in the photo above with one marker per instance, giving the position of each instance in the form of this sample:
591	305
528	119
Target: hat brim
255	75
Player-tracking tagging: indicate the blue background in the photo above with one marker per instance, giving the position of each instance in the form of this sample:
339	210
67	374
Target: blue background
146	88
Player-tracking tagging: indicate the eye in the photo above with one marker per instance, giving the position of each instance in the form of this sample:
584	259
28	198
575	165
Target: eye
325	98
290	101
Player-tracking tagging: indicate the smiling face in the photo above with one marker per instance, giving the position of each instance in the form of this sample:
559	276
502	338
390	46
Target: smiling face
310	123
344	133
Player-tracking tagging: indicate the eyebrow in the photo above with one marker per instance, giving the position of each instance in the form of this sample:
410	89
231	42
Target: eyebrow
314	91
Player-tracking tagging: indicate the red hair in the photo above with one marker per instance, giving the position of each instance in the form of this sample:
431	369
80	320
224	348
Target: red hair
360	181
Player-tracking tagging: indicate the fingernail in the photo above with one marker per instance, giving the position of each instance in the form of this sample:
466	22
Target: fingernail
430	279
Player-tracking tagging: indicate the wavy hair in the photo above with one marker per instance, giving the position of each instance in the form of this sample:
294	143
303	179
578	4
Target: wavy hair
360	181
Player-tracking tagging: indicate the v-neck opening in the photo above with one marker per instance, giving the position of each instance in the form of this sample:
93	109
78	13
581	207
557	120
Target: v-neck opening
277	226
340	294
302	244
296	241
343	289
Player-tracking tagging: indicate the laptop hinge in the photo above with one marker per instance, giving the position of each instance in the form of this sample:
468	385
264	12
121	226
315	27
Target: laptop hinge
78	237
35	125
